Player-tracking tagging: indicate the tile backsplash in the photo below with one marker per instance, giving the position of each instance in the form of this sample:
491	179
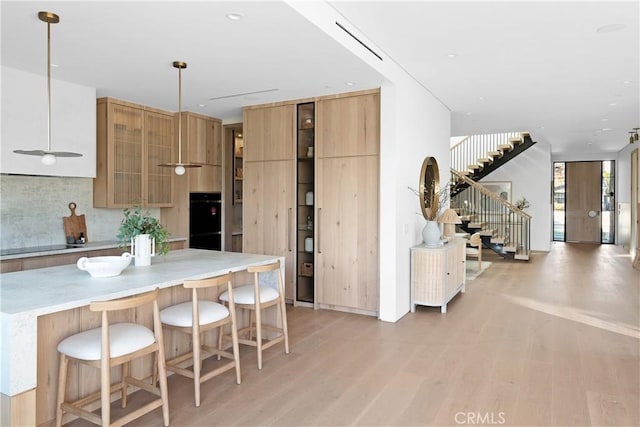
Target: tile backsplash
32	208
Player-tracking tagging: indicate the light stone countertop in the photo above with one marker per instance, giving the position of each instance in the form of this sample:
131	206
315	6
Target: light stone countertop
90	246
25	295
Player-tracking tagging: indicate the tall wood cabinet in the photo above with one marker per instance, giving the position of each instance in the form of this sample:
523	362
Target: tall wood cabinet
324	199
268	205
132	140
348	141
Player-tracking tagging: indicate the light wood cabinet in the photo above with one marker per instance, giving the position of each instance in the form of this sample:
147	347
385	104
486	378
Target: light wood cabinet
341	270
268	213
269	133
437	274
132	140
347	233
203	137
349	125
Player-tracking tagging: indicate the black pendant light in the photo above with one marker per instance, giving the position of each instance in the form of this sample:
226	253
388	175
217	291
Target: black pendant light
48	156
180	167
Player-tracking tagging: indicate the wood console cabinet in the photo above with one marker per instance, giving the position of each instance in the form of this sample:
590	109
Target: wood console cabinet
437	274
132	140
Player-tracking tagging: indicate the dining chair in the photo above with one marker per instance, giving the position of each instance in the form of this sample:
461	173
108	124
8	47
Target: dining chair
256	299
197	317
110	345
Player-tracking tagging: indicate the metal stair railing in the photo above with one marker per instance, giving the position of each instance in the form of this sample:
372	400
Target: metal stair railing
475	150
509	228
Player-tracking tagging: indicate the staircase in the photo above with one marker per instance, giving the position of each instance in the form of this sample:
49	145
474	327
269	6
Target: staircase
477	156
504	228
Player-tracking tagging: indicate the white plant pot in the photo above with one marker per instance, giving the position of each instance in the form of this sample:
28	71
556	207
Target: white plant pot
431	233
143	247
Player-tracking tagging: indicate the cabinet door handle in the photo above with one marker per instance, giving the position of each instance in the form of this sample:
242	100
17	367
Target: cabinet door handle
289	229
319	223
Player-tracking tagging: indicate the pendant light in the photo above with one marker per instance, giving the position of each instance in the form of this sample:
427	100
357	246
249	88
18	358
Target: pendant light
180	167
48	156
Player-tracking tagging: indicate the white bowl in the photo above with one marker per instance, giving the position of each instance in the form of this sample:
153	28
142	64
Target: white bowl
104	266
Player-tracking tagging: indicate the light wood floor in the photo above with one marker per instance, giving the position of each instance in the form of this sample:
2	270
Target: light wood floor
553	341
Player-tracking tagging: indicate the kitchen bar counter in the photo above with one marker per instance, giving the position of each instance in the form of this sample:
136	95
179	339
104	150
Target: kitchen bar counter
26	295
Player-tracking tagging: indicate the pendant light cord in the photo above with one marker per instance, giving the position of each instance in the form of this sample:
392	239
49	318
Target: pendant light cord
49	86
179	115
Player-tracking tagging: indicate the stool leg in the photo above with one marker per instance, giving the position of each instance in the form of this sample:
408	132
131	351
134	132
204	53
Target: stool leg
62	387
285	329
162	379
220	334
124	389
196	366
259	334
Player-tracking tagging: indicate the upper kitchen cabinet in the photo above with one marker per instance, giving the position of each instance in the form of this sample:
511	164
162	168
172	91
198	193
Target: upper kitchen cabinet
132	141
269	133
348	125
204	141
24	125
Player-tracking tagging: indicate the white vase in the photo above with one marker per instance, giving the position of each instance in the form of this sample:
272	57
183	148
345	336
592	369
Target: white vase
431	233
143	247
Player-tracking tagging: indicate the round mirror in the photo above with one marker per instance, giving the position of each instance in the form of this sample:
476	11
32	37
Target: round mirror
429	188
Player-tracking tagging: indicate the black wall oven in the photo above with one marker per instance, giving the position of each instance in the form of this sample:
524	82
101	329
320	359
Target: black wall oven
205	221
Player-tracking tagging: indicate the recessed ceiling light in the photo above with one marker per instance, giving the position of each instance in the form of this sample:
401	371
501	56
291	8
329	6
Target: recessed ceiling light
613	104
604	120
627	82
350	83
55	65
468	113
452	55
234	16
606	129
202	105
609	28
481	98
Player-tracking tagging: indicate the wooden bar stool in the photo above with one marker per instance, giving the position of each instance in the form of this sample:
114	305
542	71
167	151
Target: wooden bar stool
245	297
196	317
114	345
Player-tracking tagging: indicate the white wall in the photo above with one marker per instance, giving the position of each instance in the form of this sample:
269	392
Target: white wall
24	125
530	174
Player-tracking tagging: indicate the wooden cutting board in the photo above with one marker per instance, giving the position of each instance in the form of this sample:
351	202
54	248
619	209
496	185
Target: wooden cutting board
75	224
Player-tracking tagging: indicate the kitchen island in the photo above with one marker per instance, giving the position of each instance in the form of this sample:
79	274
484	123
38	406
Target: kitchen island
39	307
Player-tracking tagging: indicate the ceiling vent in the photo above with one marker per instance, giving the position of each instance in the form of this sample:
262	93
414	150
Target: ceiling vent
359	41
243	94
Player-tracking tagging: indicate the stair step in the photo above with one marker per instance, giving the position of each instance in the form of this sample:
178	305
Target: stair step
488	160
475	167
509	248
505	147
516	141
523	256
495	154
474	225
498	240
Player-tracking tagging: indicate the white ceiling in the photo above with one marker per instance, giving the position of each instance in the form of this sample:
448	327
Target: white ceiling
537	66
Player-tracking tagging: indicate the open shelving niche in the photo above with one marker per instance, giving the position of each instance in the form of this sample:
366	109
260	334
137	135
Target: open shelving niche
305	203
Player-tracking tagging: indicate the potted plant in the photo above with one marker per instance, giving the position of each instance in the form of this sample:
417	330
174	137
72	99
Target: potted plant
144	233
